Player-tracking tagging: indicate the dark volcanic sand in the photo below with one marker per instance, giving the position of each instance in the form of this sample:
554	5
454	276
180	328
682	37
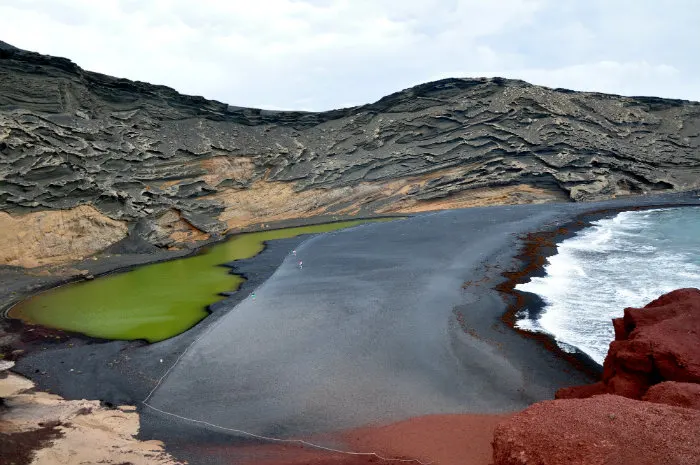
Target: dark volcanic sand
377	327
366	333
123	372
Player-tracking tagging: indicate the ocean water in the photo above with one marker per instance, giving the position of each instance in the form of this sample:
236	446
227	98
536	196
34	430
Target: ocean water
625	261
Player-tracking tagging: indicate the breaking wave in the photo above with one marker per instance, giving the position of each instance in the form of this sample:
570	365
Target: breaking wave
625	261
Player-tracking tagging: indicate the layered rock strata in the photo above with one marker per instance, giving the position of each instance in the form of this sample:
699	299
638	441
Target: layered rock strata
177	169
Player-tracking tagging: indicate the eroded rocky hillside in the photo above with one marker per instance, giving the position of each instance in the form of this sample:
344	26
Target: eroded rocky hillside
87	159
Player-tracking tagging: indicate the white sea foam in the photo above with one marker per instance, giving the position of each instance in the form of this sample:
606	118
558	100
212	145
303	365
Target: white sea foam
625	261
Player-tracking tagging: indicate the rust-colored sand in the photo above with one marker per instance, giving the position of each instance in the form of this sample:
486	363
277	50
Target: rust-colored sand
601	430
297	455
459	439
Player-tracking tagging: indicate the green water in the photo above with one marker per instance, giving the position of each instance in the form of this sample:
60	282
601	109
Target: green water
157	301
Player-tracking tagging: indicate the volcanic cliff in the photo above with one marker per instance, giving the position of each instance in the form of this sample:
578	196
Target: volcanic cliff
87	160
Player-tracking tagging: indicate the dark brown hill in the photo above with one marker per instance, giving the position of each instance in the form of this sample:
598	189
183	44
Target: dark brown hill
118	157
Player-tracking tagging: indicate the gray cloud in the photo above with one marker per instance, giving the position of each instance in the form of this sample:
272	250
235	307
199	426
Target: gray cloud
322	54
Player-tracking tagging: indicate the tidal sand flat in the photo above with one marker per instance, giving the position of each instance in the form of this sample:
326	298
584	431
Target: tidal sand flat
157	301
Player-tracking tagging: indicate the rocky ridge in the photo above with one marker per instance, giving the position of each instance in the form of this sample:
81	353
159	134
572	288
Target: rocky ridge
173	169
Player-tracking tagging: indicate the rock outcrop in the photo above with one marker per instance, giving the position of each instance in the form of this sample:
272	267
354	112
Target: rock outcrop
50	237
660	342
176	168
655	357
601	430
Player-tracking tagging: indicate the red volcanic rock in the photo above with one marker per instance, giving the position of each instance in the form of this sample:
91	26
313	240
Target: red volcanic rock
672	393
655	357
581	392
602	430
660	342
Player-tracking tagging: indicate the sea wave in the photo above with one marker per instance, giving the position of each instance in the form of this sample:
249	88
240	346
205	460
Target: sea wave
624	261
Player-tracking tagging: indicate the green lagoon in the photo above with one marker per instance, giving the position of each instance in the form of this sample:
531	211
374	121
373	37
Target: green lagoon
158	301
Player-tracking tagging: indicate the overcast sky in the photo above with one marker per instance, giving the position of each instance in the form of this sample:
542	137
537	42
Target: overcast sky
323	54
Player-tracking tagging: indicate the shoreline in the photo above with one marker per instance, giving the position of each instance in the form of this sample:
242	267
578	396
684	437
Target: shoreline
535	243
260	268
108	264
161	255
157	301
45	351
537	247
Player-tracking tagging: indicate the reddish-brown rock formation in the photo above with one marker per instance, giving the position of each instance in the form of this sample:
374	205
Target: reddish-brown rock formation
655	357
673	393
602	430
660	342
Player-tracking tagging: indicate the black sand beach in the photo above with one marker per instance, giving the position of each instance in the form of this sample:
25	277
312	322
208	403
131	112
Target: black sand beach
384	322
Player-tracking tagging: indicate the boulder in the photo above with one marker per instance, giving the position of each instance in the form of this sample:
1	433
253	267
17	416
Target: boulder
659	342
605	429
